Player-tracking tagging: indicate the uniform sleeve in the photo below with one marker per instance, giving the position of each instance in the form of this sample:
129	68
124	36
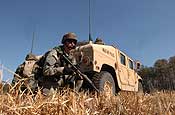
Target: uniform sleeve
52	65
18	71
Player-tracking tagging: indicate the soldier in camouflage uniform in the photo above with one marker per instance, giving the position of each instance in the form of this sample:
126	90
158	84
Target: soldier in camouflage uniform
57	72
24	76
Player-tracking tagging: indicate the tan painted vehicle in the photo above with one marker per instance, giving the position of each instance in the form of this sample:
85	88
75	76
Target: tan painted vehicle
108	68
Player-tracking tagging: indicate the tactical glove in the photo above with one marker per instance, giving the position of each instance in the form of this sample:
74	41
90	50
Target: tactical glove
68	70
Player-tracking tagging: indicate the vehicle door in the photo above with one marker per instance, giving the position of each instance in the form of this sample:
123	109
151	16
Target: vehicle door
131	73
123	72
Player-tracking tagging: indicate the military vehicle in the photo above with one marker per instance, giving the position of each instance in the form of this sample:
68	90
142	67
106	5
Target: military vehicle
110	69
107	68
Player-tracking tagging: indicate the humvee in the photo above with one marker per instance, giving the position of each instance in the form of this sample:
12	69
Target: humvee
109	68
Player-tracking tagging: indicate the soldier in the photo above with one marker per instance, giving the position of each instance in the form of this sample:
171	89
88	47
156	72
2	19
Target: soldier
57	72
25	76
99	41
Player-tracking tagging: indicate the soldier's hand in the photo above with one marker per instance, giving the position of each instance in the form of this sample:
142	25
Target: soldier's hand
77	66
68	70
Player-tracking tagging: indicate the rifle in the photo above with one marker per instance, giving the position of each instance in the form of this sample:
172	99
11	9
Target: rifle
78	72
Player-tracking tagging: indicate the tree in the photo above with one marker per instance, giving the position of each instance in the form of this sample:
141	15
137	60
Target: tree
162	72
147	74
172	72
172	66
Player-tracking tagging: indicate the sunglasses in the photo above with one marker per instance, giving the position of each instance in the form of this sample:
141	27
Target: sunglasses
70	41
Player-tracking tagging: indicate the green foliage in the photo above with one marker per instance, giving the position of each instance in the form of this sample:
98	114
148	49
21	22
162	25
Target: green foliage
161	67
147	72
172	66
161	75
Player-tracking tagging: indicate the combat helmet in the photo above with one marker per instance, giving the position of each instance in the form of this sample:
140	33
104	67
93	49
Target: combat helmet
31	56
99	41
69	36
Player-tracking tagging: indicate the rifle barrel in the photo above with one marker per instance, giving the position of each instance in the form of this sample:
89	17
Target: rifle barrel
80	73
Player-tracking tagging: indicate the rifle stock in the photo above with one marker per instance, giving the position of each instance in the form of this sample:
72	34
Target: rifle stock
77	71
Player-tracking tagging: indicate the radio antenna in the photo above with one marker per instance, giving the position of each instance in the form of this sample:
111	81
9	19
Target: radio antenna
90	37
32	42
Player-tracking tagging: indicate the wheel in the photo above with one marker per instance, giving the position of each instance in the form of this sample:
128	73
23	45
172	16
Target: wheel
104	82
140	87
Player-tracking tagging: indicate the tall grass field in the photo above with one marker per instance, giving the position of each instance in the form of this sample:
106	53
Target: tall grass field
69	102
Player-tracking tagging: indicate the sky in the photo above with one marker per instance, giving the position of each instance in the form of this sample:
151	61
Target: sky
143	29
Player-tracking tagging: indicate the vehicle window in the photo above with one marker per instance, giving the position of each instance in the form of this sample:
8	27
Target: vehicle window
131	64
122	59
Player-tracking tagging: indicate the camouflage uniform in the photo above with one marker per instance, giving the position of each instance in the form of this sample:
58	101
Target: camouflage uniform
54	75
26	77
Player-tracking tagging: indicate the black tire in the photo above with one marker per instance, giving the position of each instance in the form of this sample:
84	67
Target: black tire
102	79
140	87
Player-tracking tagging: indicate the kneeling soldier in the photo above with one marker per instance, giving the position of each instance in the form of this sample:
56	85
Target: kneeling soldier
57	72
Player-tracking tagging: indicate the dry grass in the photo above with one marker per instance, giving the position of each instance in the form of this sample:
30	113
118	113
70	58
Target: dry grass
68	102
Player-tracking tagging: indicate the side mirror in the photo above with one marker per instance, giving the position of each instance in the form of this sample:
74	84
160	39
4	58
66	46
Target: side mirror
138	65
